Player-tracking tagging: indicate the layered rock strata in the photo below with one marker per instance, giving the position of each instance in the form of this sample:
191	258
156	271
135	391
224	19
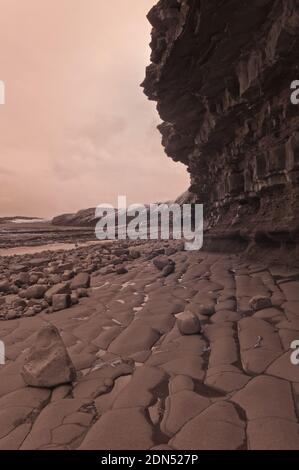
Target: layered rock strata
221	74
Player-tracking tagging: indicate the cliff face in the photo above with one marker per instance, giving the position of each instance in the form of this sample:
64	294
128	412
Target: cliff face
82	218
221	73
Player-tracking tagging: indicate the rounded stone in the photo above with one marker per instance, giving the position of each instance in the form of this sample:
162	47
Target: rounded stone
188	324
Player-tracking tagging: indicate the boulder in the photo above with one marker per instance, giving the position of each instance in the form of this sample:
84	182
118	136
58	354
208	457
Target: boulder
60	288
80	280
135	254
37	262
65	267
36	292
169	269
21	279
30	312
170	251
161	262
74	298
17	268
61	302
206	309
11	315
4	286
82	292
48	363
260	302
33	279
188	324
67	275
121	270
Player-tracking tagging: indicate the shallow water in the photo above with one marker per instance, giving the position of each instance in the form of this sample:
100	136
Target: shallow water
25	250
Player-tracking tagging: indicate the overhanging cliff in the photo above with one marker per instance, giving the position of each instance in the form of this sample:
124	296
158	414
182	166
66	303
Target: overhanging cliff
221	73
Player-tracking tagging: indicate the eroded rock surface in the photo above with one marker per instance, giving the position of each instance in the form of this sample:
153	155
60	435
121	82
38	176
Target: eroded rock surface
141	382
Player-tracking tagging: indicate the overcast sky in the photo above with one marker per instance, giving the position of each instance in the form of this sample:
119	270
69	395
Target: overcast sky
76	129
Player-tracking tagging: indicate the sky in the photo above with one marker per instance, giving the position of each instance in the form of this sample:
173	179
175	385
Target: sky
76	129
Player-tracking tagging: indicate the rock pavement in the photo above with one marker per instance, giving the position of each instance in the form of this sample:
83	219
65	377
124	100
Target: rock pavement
195	359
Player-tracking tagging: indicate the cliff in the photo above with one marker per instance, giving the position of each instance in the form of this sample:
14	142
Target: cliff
82	218
221	73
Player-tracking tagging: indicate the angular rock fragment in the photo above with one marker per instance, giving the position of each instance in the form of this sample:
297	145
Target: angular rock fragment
260	302
61	288
48	363
61	302
80	280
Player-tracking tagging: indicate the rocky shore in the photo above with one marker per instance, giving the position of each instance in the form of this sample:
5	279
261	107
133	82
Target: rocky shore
51	281
146	346
142	345
36	234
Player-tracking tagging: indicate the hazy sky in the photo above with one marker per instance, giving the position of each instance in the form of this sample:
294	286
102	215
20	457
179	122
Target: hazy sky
76	129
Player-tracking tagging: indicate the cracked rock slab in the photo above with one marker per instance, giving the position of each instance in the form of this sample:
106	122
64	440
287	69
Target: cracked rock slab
52	419
217	428
120	429
284	368
140	391
137	337
257	355
273	434
226	378
265	397
181	408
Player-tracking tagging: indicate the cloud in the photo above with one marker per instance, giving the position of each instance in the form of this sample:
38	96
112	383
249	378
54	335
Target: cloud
76	129
89	147
6	171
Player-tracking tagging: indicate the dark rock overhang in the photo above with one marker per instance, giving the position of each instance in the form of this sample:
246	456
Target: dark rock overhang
221	73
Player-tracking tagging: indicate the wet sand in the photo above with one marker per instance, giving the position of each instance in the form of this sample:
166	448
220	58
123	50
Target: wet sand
24	250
